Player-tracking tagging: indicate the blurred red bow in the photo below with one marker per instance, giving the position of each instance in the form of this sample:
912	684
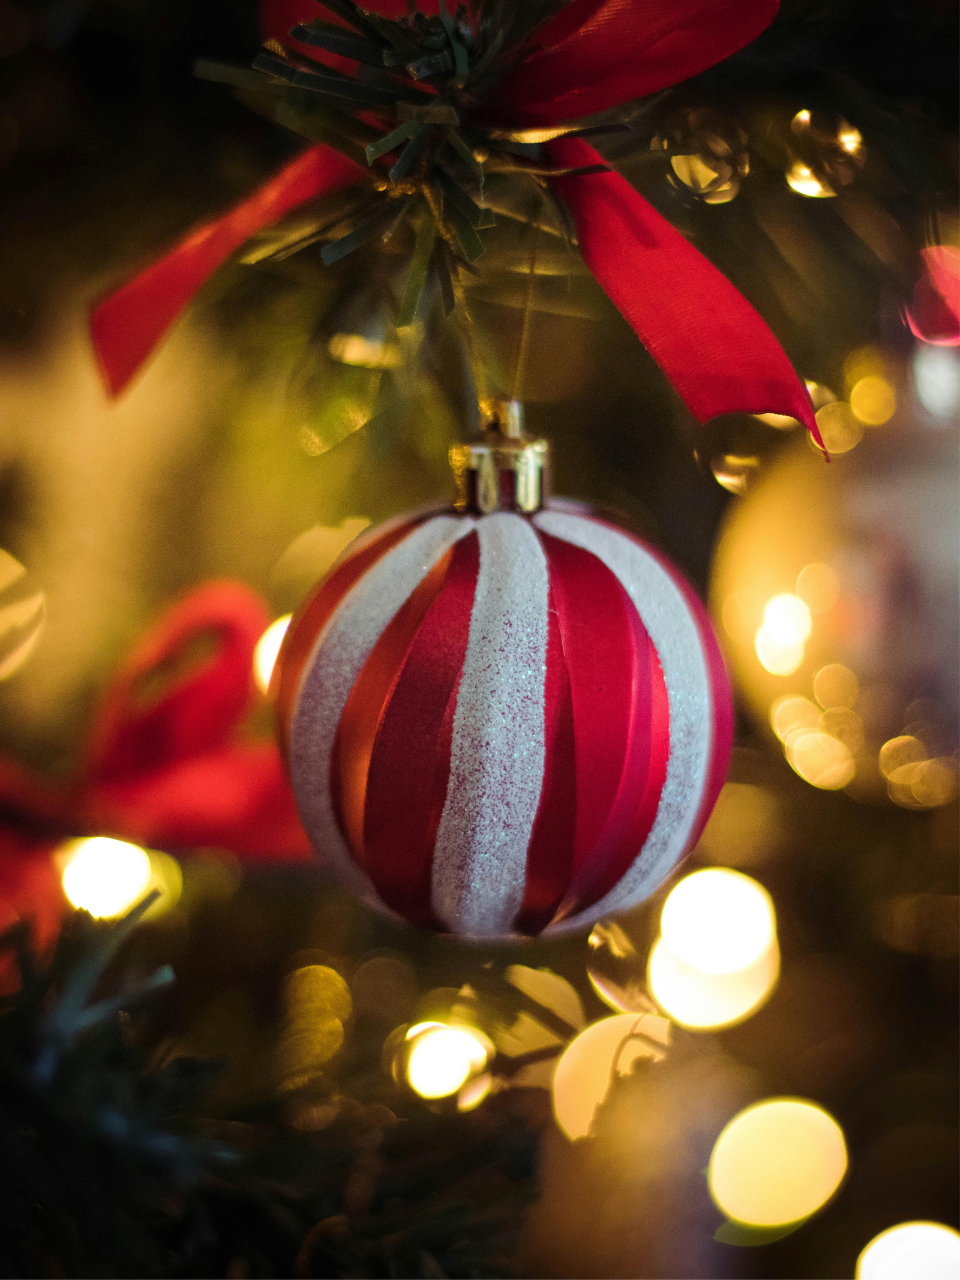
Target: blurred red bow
163	767
594	54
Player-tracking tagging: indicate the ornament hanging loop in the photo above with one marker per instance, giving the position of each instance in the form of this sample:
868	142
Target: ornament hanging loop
506	471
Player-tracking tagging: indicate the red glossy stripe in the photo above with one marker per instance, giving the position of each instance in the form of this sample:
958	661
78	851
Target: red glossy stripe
364	708
644	774
410	762
721	710
316	613
550	853
612	667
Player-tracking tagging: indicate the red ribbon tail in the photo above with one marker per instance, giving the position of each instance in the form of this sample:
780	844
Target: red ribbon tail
708	340
128	324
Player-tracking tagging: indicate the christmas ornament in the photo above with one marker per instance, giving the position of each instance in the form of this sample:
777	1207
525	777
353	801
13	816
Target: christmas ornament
504	718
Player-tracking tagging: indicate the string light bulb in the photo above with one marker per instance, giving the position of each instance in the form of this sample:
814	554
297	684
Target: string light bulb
787	619
779	659
718	920
440	1059
105	876
717	959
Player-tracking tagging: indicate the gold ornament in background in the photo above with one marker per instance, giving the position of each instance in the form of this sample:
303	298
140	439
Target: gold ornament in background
708	154
835	588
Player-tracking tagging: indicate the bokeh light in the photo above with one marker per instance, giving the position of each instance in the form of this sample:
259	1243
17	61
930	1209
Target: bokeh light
744	829
924	784
918	1250
900	751
595	1058
821	760
786	620
792	714
105	876
702	1001
779	659
267	651
863	362
840	428
318	1004
718	920
441	1059
936	377
835	686
819	394
843	725
873	401
777	1162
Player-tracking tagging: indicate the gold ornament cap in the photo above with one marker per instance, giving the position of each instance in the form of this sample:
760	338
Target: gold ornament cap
505	471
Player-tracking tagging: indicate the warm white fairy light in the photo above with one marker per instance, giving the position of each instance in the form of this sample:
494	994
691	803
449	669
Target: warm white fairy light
920	1250
777	1163
787	620
718	920
779	659
104	876
267	651
850	139
441	1059
717	959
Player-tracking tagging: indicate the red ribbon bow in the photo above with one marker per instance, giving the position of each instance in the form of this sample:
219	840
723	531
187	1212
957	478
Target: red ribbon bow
165	770
713	346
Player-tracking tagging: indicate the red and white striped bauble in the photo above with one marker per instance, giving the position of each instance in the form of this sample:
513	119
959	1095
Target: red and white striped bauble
503	724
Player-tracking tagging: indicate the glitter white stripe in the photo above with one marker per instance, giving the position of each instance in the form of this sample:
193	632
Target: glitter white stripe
331	672
497	749
672	629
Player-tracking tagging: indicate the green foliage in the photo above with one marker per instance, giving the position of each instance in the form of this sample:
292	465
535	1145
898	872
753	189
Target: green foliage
111	1169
